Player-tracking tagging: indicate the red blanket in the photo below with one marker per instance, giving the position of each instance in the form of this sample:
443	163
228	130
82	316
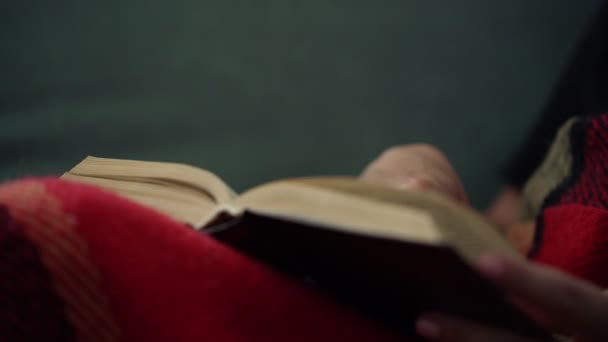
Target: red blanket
572	229
78	263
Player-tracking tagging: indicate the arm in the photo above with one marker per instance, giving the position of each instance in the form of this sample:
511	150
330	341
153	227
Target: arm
557	301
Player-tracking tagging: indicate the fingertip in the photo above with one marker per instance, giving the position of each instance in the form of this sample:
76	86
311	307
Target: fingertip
492	265
428	328
414	183
406	184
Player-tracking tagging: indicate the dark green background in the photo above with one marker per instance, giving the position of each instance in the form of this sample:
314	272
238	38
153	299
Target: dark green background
256	90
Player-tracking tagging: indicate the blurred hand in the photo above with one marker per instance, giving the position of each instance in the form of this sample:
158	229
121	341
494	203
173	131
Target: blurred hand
557	301
416	167
505	210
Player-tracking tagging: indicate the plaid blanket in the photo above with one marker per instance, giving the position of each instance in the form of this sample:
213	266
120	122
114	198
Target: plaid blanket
78	263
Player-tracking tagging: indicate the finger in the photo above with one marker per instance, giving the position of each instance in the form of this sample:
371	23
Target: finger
398	166
437	327
568	304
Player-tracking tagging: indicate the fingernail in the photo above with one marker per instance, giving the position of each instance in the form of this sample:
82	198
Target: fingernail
491	265
428	328
406	184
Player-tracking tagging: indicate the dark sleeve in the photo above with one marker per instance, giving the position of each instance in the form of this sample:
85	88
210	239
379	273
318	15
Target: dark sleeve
582	90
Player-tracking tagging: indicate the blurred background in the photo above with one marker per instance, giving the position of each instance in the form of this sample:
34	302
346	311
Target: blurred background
257	90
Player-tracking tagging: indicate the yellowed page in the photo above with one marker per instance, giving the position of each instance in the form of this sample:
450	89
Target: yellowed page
186	193
186	175
340	211
375	210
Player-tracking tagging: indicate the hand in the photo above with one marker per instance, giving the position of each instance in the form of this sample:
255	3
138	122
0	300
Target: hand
505	210
557	301
416	167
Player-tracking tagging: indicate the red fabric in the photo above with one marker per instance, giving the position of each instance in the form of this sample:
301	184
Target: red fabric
575	239
30	308
160	281
589	185
572	230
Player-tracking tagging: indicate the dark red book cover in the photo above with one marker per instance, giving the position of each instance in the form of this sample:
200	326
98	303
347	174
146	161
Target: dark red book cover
391	281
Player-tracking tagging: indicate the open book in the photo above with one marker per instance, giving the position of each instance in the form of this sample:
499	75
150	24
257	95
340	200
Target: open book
392	253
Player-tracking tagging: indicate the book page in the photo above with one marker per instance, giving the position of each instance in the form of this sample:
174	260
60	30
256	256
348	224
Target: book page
180	174
340	211
188	194
184	206
467	230
399	213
